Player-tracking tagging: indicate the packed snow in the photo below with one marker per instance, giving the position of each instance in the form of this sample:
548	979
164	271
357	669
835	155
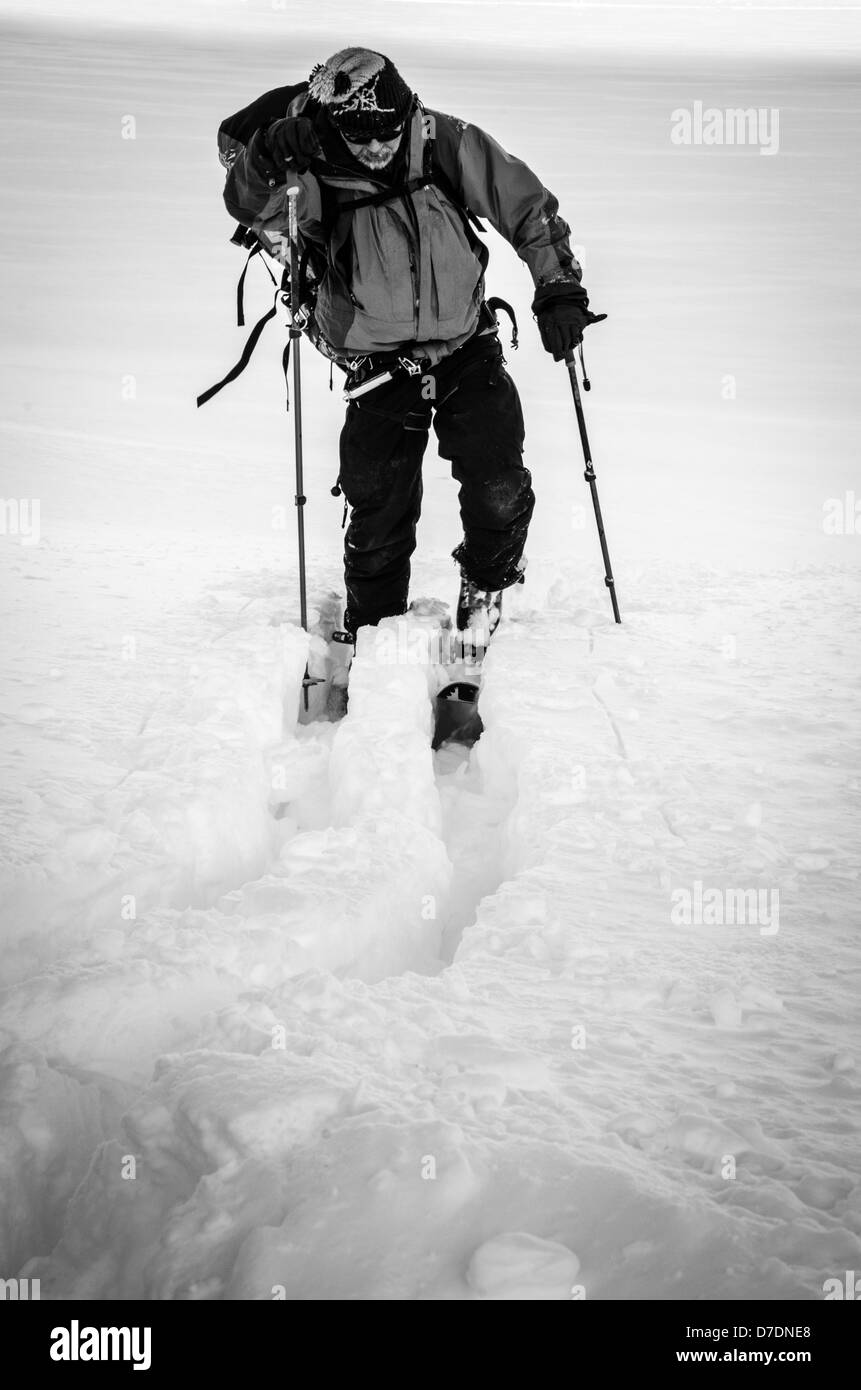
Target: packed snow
301	1009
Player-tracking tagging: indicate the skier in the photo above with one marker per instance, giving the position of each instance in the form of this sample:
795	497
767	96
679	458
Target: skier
395	275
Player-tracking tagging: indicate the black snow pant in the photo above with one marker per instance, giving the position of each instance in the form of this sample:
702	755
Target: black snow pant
476	415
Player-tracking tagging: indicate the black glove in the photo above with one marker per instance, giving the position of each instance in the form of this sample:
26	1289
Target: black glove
291	142
562	310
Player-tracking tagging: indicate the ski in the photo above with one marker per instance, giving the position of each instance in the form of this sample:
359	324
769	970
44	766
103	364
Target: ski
456	716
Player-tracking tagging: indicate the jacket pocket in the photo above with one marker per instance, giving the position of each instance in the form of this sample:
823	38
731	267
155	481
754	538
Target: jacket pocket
383	273
455	269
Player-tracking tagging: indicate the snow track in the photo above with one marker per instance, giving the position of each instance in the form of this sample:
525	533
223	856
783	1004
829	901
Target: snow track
290	1093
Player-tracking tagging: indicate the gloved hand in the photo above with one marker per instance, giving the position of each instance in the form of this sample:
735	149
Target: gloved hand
291	142
562	310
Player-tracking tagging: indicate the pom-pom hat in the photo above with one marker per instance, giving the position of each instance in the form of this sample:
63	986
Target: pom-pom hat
362	92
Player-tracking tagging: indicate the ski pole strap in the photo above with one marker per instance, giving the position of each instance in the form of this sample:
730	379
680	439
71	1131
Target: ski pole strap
250	345
503	304
587	385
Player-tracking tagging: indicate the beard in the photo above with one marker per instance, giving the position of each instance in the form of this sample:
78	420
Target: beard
374	159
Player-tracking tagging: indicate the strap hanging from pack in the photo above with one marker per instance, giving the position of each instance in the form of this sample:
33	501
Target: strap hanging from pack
240	286
285	367
495	303
250	344
303	274
243	236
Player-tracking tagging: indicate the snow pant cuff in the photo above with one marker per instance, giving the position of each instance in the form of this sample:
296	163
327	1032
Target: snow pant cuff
490	580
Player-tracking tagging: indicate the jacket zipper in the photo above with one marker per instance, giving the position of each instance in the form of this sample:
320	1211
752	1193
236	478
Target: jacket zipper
410	207
415	284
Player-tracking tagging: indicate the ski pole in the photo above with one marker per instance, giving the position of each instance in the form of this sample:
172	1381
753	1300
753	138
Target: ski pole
296	335
589	475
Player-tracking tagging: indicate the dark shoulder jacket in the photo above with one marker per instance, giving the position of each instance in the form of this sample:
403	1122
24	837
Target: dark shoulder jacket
408	272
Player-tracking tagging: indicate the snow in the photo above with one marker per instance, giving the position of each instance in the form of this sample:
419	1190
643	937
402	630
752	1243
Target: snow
301	1009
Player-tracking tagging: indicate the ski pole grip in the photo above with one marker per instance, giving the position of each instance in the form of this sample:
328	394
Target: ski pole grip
292	217
571	364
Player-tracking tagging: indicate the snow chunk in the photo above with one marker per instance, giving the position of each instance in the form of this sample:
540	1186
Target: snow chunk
521	1266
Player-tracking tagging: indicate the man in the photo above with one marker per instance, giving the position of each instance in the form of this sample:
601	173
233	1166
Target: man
395	274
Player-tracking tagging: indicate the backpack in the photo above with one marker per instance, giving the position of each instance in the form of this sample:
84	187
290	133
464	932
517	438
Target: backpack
237	130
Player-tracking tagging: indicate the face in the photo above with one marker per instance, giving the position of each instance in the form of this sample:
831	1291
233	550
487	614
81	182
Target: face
378	153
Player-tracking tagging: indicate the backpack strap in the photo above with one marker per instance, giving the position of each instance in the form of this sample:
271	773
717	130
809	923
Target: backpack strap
431	173
385	195
251	342
442	180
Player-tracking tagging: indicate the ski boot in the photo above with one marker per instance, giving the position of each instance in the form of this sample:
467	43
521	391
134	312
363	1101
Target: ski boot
478	615
342	649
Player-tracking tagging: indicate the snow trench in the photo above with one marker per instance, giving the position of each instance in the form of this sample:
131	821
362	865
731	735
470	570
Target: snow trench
353	880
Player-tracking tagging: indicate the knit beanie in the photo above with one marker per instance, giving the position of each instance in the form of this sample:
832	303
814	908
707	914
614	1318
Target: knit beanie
362	92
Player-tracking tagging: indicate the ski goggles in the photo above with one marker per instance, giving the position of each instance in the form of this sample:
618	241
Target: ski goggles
366	138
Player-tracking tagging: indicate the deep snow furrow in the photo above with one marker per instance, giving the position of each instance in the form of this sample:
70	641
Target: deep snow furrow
358	897
473	822
364	897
